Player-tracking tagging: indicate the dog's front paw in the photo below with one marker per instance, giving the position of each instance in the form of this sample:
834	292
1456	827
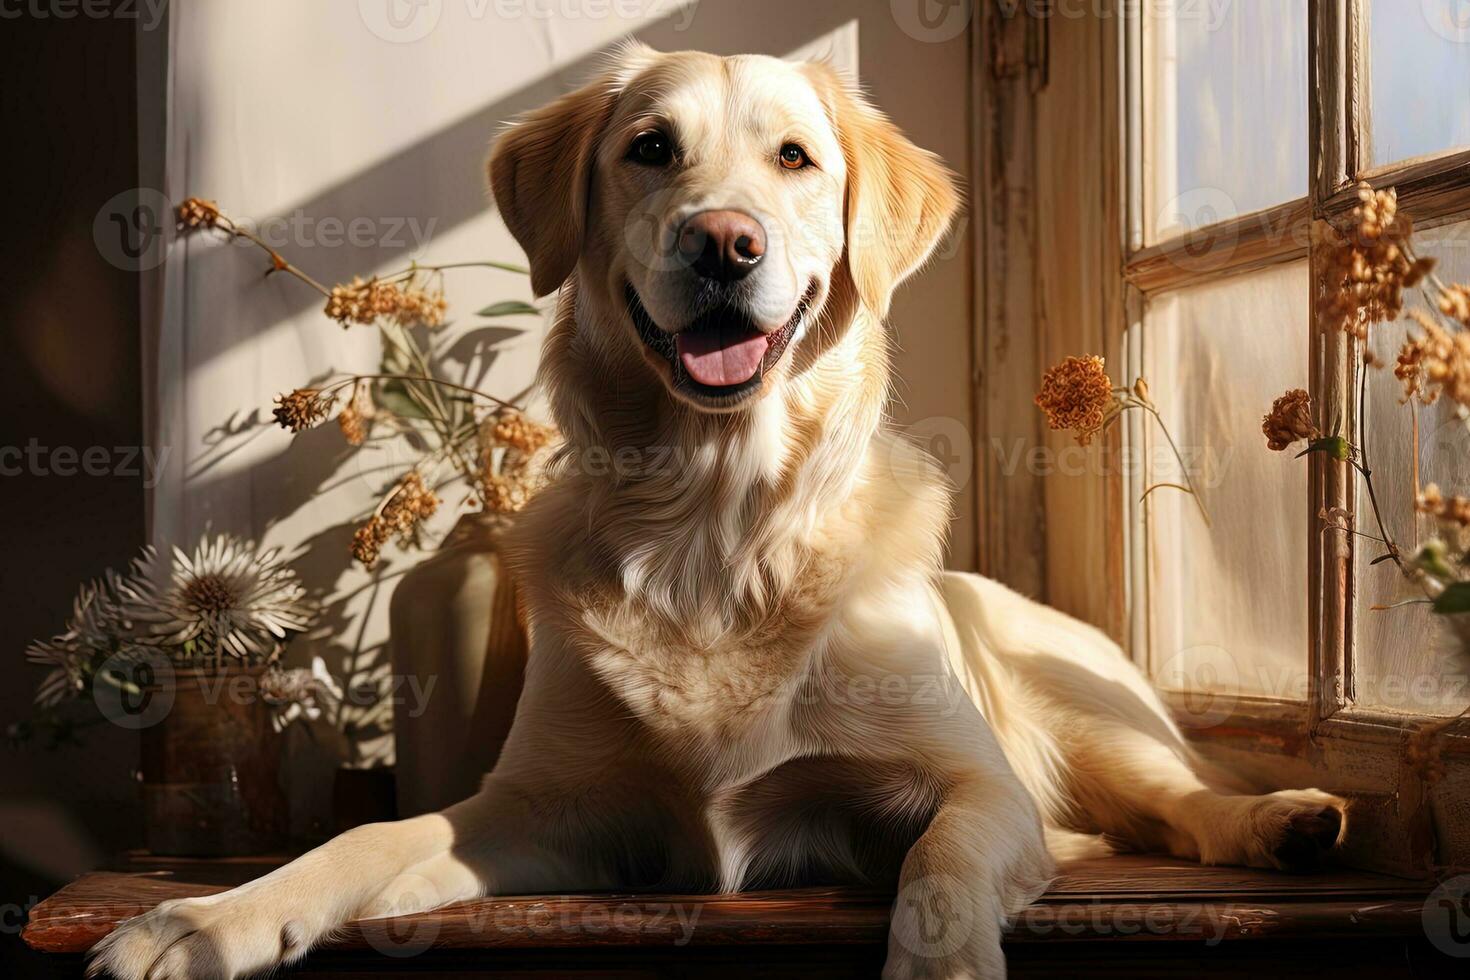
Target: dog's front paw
218	937
944	929
1298	828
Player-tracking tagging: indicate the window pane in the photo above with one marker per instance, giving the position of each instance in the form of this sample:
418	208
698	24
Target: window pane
1420	76
1228	603
1225	111
1399	662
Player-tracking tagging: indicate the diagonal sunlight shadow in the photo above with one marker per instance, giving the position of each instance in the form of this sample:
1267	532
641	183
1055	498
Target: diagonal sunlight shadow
442	176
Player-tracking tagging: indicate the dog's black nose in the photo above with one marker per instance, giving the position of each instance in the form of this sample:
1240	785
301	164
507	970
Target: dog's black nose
722	245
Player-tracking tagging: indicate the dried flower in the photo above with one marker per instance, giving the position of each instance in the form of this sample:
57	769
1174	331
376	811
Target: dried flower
1454	302
512	428
300	692
99	628
196	212
508	479
368	540
1435	361
1448	510
1367	267
356	414
1077	394
301	409
226	597
365	301
406	507
1289	421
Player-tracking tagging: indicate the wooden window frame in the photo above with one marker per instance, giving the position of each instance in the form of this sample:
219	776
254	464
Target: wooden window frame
1049	240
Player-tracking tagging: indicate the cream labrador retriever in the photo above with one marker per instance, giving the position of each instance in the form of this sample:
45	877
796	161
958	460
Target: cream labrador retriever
747	667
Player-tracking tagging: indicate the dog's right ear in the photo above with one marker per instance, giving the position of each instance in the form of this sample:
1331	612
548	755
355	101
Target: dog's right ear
541	171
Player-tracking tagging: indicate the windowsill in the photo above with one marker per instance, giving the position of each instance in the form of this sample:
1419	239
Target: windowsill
1143	908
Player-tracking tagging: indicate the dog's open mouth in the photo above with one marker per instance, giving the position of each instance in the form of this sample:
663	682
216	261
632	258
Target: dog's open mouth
722	356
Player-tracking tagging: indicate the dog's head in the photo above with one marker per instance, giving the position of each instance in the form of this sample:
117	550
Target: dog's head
713	208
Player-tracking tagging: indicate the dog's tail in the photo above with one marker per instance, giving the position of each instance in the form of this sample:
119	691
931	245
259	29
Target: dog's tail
1069	845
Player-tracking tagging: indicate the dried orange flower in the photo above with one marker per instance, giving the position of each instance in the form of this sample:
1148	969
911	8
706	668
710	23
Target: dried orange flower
1289	421
302	408
367	541
408	505
1367	267
507	487
1454	302
365	300
1450	510
1077	394
1434	362
196	212
512	428
356	413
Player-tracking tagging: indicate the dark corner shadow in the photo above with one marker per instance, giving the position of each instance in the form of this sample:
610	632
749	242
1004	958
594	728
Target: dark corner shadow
441	178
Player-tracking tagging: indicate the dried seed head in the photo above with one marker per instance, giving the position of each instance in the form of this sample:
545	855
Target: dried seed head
1077	394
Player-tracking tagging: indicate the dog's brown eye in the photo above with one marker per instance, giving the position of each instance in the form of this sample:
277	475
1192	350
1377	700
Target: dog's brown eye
793	157
652	149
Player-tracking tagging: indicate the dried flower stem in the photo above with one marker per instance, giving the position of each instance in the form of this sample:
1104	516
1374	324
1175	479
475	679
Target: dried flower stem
1129	400
1361	465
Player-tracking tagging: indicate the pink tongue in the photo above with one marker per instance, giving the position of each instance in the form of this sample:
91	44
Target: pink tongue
718	356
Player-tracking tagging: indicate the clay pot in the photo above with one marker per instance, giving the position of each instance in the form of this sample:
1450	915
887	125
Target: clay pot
459	655
211	766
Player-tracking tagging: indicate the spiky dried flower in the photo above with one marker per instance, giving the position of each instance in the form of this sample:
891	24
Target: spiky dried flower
1367	266
364	301
227	597
99	628
1434	362
196	212
1076	394
1289	421
302	409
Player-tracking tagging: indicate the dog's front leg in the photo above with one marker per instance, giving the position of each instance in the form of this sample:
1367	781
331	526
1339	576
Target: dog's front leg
981	861
485	844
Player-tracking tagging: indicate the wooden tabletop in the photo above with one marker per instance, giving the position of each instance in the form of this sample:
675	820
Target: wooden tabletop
1132	898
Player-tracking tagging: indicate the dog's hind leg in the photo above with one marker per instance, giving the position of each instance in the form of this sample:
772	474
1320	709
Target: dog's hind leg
482	845
1144	793
1092	741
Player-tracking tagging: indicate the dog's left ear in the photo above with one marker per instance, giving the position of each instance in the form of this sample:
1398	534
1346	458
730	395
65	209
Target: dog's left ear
900	198
541	170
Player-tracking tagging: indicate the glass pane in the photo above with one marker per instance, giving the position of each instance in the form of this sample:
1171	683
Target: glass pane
1420	75
1225	110
1400	661
1228	603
